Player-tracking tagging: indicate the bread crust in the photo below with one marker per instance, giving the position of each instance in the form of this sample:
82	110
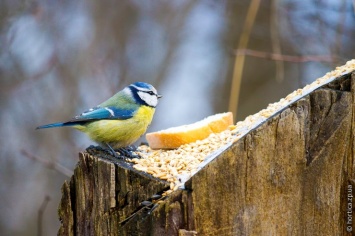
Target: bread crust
175	137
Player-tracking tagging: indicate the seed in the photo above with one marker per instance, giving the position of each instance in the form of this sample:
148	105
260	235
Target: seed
163	177
160	175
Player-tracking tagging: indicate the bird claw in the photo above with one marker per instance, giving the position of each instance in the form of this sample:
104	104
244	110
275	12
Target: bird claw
131	148
113	153
120	153
128	152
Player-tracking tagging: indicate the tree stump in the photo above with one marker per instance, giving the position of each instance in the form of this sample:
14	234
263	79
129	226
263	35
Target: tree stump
292	175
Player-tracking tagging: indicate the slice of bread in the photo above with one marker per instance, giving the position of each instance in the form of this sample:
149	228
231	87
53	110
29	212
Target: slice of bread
176	136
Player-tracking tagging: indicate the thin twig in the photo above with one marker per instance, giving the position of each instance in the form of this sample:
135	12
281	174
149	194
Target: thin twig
239	61
49	164
287	58
40	215
275	41
340	30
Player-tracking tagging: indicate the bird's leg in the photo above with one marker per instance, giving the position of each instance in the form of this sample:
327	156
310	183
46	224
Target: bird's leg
112	151
123	152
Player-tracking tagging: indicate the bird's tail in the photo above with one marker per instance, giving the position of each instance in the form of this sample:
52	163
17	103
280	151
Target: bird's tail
56	125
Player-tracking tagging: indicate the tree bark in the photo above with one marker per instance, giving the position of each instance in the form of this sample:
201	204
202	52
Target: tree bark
292	175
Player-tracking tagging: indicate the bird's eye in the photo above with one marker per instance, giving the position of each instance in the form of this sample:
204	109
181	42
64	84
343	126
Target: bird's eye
151	93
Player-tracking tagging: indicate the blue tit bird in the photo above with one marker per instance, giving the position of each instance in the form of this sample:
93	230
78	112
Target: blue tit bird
119	121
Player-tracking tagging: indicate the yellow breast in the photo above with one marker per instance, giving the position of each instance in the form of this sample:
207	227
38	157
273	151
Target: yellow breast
120	133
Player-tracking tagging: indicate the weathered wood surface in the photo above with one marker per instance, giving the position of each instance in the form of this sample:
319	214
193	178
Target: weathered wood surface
289	176
101	194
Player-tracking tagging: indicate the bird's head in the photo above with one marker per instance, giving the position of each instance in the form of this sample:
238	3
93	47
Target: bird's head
144	94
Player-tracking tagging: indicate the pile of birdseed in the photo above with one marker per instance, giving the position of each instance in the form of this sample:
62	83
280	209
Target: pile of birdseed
178	165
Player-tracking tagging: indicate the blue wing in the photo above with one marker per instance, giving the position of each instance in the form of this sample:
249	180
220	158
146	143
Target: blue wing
96	113
99	113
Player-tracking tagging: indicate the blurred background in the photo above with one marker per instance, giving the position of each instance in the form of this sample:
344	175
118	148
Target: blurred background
59	58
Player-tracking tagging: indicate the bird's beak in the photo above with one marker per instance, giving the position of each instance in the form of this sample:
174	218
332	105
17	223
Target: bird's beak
159	96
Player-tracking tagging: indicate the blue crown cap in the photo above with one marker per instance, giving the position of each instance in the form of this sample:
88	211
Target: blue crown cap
142	85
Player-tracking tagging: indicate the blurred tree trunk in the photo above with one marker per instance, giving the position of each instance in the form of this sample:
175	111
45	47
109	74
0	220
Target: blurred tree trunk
290	176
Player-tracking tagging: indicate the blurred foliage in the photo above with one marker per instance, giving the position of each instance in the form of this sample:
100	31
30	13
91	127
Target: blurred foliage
58	58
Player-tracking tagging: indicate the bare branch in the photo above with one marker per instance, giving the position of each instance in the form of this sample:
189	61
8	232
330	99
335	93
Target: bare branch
288	58
40	215
275	41
239	61
49	164
340	29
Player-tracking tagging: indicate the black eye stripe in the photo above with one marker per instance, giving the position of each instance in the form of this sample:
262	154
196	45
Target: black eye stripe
149	92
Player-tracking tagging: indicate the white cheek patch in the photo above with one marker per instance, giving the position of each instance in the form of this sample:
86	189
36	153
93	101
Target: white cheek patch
151	100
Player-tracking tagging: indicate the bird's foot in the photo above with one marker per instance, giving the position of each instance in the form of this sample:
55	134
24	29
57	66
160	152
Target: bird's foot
131	148
113	152
102	151
94	150
128	152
